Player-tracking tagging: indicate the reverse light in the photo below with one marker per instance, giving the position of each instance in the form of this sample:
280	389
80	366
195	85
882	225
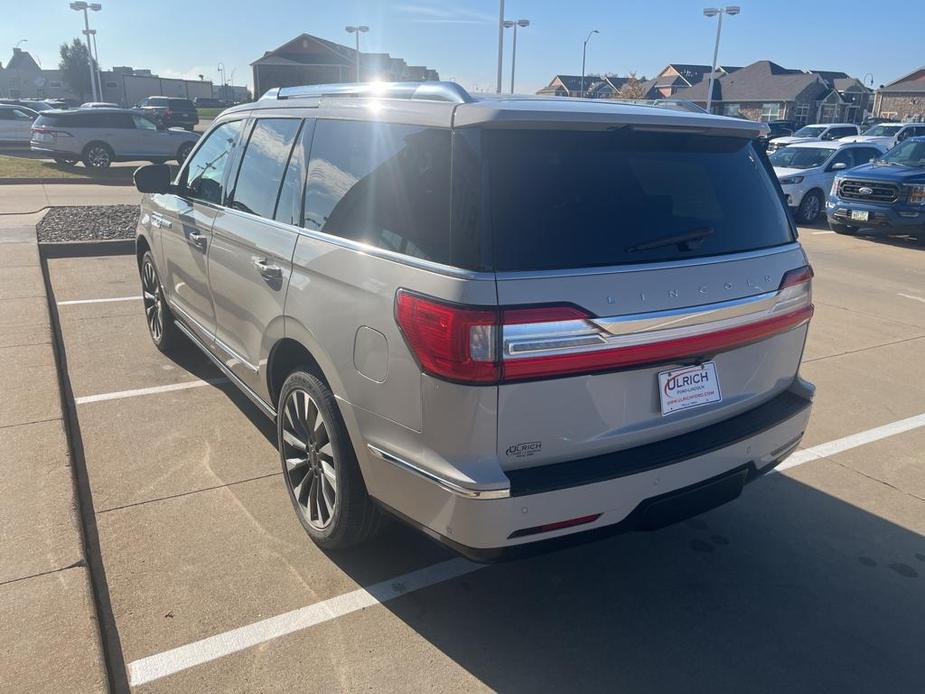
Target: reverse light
916	194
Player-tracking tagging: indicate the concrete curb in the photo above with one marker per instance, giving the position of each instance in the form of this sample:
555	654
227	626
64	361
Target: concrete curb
57	181
83	249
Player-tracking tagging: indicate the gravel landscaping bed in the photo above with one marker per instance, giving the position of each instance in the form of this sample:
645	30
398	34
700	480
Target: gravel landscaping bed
88	223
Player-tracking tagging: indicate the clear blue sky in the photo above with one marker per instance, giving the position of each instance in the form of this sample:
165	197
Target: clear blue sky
459	37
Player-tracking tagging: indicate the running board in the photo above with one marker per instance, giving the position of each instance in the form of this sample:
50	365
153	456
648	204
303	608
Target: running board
261	404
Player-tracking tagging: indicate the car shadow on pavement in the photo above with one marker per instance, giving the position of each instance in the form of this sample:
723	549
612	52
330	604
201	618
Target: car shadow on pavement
787	589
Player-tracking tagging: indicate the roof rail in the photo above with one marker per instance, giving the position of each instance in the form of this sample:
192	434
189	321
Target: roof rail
425	91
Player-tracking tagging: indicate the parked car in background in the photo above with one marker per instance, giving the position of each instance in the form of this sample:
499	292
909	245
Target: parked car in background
806	170
98	137
815	133
484	359
777	128
889	135
38	105
16	123
886	196
871	121
209	102
99	104
170	111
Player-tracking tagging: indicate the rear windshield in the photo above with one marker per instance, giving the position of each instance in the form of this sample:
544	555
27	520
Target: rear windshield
182	105
565	199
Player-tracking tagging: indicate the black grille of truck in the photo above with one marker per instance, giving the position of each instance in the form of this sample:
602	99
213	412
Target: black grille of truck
887	193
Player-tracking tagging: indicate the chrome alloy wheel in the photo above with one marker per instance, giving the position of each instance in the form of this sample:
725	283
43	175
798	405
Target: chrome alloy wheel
153	300
98	157
309	456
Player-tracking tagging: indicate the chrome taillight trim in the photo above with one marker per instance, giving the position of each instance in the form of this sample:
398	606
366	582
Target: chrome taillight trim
576	336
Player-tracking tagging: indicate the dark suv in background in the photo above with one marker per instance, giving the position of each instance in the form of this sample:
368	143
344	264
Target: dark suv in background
886	196
170	112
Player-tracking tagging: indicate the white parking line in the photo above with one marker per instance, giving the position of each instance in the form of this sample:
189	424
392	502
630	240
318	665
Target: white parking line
118	395
98	301
169	662
824	450
911	296
154	667
817	233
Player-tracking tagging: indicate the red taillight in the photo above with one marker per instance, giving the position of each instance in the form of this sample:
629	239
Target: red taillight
485	346
168	112
450	341
549	527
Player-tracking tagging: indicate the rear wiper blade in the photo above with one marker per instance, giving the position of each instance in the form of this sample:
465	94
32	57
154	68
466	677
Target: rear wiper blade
687	241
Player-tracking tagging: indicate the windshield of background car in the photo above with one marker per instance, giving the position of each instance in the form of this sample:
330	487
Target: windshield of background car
565	199
800	157
809	131
909	153
883	130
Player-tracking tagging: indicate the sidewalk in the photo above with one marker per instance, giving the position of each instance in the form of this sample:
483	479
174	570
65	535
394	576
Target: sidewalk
49	640
31	197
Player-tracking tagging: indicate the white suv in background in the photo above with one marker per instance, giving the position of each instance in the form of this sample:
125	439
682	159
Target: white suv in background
888	135
821	132
806	171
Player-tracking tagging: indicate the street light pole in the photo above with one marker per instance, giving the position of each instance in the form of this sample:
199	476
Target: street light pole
507	25
361	29
500	43
83	7
584	55
96	58
731	10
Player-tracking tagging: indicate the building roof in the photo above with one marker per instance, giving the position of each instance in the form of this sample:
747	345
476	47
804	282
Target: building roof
760	81
573	82
22	60
694	74
912	82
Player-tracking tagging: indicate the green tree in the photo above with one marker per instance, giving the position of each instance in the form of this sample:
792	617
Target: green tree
74	67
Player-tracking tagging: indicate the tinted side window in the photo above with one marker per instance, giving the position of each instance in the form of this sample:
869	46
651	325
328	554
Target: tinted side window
114	120
182	105
862	155
382	184
263	165
203	177
289	207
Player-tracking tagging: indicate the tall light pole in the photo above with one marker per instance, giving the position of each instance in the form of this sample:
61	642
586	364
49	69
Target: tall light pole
96	58
83	7
357	30
500	43
731	10
584	55
507	25
221	78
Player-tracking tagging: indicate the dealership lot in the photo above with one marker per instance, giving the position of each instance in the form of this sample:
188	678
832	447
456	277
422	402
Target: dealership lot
813	581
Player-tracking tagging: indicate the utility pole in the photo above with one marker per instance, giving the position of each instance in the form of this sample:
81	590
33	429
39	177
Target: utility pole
500	43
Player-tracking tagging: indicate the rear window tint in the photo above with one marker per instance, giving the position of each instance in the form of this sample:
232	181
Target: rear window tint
561	199
383	184
264	164
77	119
182	105
156	101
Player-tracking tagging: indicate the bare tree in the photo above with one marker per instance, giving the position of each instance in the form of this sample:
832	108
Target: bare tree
633	88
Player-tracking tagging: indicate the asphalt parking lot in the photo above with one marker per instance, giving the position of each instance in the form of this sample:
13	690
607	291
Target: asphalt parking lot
814	580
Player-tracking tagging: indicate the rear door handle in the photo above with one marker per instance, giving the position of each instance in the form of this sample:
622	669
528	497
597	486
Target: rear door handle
198	240
269	272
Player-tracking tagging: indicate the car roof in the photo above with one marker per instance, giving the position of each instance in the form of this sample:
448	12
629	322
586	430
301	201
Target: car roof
446	104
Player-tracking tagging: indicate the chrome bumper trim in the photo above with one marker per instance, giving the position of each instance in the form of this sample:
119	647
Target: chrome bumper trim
441	482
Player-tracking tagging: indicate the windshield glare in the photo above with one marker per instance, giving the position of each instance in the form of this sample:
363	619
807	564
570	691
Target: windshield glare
800	157
883	130
809	131
909	153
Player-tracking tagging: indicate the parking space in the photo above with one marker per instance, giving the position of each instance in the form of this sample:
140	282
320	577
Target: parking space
813	581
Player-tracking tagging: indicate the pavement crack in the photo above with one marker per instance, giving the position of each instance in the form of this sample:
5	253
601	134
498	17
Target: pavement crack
861	473
80	563
865	349
869	315
189	493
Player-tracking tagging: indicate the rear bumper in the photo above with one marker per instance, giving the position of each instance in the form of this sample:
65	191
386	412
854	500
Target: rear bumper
640	488
53	151
886	219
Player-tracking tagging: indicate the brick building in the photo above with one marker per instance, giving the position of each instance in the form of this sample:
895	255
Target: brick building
903	98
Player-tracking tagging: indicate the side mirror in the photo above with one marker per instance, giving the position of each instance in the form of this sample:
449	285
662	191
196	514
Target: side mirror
153	178
838	166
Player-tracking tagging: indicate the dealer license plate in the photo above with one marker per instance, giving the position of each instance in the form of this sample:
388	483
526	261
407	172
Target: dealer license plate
688	386
859	215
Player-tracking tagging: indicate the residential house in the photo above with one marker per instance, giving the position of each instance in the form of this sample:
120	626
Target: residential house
308	59
23	78
595	86
903	98
767	91
677	76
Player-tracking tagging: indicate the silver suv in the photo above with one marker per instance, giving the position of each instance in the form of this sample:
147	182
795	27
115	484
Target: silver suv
503	321
100	136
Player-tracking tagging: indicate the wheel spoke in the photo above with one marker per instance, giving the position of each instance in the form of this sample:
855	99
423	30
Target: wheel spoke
293	440
150	296
328	498
329	473
320	437
311	416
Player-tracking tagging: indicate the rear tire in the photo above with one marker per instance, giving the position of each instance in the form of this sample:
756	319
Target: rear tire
320	469
164	334
810	207
843	229
184	151
98	156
